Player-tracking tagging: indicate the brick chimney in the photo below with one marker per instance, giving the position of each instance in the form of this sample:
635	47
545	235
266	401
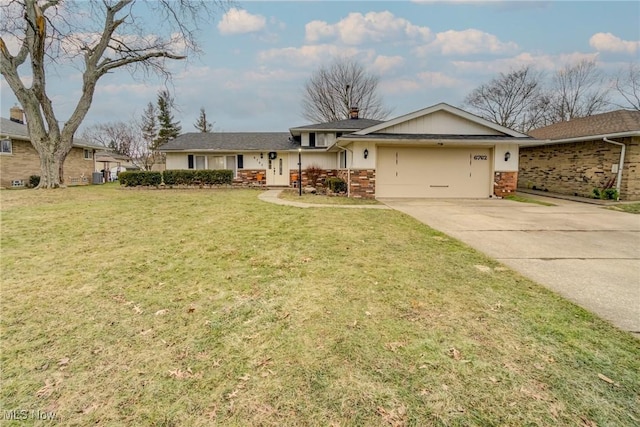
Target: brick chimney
16	114
353	112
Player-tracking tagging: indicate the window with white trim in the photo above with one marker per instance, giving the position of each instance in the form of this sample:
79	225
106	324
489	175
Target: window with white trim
6	146
343	160
216	162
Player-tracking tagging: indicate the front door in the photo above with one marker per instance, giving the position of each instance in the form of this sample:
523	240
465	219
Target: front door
278	171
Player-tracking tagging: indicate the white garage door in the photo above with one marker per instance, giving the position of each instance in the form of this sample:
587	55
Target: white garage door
433	172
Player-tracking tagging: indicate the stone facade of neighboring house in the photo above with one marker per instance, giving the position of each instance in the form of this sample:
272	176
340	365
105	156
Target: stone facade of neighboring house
19	160
578	156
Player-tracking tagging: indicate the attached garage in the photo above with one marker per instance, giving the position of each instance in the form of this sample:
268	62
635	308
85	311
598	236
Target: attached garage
434	172
437	152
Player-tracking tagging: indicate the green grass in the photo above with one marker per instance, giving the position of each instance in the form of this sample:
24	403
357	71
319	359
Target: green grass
633	208
293	195
207	307
524	199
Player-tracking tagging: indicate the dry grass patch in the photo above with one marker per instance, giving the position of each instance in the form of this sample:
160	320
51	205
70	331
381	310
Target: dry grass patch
633	208
197	308
294	196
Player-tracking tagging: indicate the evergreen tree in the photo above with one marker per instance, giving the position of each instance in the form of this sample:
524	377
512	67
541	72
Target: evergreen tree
202	124
149	125
168	129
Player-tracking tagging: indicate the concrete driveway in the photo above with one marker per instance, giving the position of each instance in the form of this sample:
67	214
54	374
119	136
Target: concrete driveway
586	253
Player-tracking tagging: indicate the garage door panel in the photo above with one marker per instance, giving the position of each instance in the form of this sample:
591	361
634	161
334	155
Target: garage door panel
433	172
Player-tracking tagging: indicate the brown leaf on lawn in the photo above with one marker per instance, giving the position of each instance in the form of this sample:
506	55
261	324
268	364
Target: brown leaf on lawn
245	377
608	380
63	362
191	309
180	374
306	259
394	346
396	417
48	388
120	299
455	353
161	312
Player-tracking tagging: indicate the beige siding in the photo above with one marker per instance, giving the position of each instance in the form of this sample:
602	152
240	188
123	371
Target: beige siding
502	165
440	122
322	159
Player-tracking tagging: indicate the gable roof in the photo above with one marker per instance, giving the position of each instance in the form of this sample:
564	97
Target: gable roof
339	125
15	130
231	141
613	122
442	107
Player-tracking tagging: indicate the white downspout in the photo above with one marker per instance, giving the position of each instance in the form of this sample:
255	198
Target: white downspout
620	164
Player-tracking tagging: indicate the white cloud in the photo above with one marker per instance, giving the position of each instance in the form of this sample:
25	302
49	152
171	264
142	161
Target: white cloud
607	42
307	55
357	28
399	86
239	21
466	42
540	62
436	79
383	64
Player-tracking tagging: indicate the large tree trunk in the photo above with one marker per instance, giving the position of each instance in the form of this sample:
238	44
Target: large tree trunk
52	150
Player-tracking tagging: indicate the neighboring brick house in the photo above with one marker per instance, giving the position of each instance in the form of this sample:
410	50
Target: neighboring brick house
584	154
19	160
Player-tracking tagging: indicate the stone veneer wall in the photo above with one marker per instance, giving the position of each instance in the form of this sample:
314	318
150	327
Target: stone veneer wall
362	183
24	162
505	183
326	173
251	177
577	168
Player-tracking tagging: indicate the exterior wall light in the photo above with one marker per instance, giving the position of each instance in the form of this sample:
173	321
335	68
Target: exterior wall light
507	156
366	153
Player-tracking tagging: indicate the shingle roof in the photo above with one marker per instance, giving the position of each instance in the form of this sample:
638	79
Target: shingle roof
19	131
347	124
600	124
9	127
230	141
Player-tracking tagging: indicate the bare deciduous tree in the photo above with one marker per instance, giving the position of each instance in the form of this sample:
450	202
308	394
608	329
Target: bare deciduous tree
334	88
123	138
579	90
627	84
515	100
98	37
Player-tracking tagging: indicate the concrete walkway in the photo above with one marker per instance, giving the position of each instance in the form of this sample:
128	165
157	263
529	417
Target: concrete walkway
272	196
588	254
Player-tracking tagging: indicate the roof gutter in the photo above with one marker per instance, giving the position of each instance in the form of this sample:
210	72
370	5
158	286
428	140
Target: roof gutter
588	138
620	164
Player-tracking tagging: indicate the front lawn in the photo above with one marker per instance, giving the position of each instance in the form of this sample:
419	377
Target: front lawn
211	307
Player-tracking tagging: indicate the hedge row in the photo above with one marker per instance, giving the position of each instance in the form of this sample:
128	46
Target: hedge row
135	178
176	177
195	177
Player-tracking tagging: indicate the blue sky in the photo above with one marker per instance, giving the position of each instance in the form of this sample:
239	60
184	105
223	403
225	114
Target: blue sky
257	56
